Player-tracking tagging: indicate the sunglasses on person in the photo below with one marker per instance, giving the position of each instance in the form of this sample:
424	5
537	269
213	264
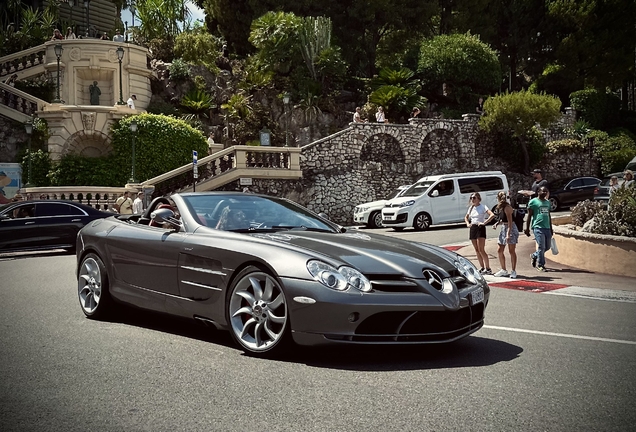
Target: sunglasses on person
473	197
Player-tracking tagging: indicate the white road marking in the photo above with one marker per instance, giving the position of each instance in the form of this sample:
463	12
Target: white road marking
565	335
596	294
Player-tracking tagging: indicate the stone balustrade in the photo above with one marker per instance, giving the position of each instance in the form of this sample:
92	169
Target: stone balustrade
23	103
22	60
100	198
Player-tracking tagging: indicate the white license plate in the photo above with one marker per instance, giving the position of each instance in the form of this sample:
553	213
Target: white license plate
477	296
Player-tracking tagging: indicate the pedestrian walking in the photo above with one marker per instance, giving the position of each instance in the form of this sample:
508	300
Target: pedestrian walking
477	217
508	235
540	222
124	204
138	203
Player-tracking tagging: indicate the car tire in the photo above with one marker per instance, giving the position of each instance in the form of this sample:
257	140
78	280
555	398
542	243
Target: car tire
422	222
93	288
554	204
257	313
375	220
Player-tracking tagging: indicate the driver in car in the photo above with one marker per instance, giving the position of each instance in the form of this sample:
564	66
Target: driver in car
232	219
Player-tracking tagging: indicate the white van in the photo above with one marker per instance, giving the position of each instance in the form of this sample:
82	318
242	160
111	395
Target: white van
442	199
370	214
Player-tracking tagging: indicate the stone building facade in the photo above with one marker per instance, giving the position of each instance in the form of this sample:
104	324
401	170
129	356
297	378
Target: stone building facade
366	161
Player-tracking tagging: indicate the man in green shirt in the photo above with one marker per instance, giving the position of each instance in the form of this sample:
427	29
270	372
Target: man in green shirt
541	223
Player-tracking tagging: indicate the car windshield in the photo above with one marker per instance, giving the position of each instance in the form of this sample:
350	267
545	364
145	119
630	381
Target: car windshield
252	213
417	189
396	193
559	184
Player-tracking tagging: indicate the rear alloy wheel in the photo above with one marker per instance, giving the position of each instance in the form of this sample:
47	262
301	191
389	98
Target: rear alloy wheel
375	220
92	287
422	222
554	204
257	312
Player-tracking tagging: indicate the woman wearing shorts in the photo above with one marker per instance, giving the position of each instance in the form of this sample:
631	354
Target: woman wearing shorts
476	218
509	235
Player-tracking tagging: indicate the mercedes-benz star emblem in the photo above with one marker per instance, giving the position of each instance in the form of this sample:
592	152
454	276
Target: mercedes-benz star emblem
433	279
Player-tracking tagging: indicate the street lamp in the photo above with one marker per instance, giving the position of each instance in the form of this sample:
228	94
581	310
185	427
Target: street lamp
286	102
29	130
133	129
58	54
88	16
120	56
71	3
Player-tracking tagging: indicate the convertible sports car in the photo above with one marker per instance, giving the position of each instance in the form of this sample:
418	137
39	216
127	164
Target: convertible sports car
273	272
43	224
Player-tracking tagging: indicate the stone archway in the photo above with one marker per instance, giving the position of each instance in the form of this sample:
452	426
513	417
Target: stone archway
440	151
383	148
89	144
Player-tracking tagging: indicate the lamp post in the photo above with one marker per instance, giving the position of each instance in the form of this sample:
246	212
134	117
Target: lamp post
133	129
88	16
29	130
58	54
120	56
71	3
286	102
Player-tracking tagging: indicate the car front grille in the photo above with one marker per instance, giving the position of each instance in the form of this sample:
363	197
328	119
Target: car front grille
399	284
417	326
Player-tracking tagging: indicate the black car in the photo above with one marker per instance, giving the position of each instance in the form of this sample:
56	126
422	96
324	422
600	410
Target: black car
43	224
569	191
602	191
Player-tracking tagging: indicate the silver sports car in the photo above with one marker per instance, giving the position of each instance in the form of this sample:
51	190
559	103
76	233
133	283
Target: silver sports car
273	273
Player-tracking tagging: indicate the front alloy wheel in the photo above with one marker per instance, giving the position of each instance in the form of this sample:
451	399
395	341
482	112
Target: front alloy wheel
554	204
375	220
422	222
92	287
257	312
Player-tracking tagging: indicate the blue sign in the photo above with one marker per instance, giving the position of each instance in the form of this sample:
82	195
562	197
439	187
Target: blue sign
195	156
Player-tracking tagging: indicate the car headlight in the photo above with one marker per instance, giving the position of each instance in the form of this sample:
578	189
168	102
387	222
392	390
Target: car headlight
468	270
407	203
338	279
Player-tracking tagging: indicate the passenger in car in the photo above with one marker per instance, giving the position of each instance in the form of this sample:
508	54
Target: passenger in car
232	219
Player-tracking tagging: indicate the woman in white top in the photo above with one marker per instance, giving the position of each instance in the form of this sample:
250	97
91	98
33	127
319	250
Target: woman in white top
477	218
379	116
70	34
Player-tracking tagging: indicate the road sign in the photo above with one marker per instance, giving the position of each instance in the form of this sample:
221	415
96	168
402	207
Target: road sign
196	172
243	181
195	156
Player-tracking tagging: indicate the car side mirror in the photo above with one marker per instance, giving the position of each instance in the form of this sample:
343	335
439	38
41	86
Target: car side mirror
165	216
435	193
4	217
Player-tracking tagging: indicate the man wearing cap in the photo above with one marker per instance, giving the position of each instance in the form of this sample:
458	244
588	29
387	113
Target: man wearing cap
539	181
138	203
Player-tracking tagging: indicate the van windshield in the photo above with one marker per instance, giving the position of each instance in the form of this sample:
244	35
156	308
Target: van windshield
417	189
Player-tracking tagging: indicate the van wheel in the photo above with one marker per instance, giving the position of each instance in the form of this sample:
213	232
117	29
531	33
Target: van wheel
554	204
422	222
375	220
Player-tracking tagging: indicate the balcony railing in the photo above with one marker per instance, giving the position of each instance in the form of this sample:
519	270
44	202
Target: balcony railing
22	60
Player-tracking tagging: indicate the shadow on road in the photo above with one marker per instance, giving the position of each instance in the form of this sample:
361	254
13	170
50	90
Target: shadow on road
469	352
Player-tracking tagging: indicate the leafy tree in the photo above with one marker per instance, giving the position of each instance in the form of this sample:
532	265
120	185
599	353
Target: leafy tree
275	36
231	19
598	108
197	103
396	90
40	164
461	63
161	19
198	47
614	150
518	113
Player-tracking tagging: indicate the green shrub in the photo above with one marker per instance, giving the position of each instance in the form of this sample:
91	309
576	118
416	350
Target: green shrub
162	107
584	211
40	164
40	87
179	70
620	217
198	48
197	102
600	110
565	145
614	150
162	144
76	170
162	49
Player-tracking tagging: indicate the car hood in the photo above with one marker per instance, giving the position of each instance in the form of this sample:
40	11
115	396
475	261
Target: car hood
400	200
380	203
369	253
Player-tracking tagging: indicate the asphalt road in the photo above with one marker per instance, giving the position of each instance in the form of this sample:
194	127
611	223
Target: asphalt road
543	363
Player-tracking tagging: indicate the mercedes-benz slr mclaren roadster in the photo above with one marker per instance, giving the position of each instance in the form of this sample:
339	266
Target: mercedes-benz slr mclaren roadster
273	273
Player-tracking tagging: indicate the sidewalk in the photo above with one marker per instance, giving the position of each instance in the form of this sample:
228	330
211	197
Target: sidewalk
558	276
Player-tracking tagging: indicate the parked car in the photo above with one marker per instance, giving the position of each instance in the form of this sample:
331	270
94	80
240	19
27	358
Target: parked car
43	224
273	272
569	191
631	165
602	191
442	199
370	214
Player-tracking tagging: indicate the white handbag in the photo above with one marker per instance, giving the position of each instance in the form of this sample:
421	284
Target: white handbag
553	247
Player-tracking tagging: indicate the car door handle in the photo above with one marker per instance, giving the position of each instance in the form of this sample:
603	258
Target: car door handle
76	220
29	223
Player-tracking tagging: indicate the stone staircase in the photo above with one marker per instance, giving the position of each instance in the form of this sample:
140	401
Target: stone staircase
15	104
